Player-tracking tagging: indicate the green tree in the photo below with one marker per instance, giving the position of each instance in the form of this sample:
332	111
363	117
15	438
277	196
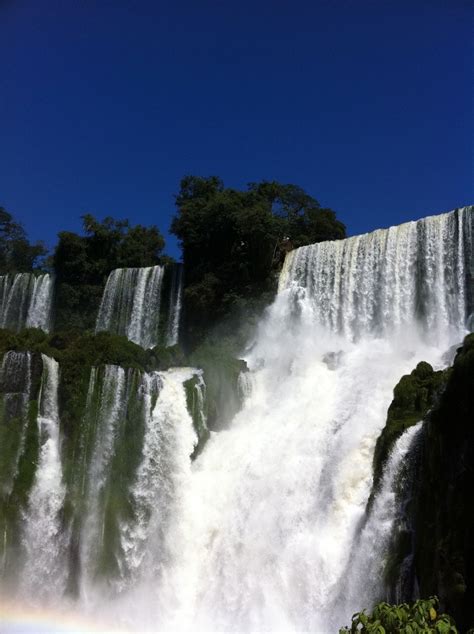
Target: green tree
305	221
234	243
83	262
17	254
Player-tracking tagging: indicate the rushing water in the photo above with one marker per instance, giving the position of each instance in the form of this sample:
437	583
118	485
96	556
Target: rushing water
26	301
131	304
44	570
268	534
175	303
267	528
15	384
137	435
370	550
276	501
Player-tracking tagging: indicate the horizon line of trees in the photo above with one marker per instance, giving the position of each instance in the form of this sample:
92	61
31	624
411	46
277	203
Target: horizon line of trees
233	243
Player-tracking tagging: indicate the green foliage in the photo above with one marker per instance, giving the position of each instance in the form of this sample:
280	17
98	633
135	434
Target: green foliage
234	242
19	442
17	255
77	353
81	349
82	264
413	397
444	515
421	617
436	532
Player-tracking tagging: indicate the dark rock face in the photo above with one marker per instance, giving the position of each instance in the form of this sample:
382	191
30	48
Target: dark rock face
413	397
444	509
433	550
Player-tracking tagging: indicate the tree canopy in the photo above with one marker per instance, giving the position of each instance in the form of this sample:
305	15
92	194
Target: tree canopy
83	262
234	241
106	245
17	254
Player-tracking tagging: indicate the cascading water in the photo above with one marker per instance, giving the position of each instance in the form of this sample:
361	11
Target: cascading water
107	421
263	530
15	388
158	485
175	305
372	546
131	304
136	435
274	503
381	282
43	539
26	301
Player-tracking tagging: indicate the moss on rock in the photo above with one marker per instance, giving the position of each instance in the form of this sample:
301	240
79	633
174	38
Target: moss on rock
413	397
444	514
221	375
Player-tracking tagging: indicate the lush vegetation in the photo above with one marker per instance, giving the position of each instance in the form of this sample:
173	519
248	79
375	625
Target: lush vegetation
83	262
233	243
443	512
434	536
413	396
421	617
17	254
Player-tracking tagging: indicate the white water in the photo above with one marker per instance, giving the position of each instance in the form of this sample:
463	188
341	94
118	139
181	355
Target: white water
158	487
26	301
271	510
43	539
131	304
106	423
15	383
381	282
258	534
175	304
168	439
371	549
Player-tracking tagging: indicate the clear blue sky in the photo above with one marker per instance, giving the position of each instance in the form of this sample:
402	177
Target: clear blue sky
106	104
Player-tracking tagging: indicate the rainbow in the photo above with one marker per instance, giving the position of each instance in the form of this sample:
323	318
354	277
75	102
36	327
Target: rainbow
17	618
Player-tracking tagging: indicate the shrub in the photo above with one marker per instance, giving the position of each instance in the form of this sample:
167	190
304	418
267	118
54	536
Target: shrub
420	617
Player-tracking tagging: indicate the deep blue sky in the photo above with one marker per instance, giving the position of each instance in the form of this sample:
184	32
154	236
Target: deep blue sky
106	104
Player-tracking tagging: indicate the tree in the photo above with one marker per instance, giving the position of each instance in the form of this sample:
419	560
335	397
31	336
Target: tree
234	242
17	254
304	220
83	262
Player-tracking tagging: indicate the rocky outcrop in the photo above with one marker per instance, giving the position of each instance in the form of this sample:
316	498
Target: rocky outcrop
444	510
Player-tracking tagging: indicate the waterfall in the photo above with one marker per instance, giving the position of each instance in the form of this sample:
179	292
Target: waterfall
382	282
175	305
157	488
266	528
131	304
107	524
44	542
244	385
140	439
15	390
275	502
26	301
107	417
370	552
